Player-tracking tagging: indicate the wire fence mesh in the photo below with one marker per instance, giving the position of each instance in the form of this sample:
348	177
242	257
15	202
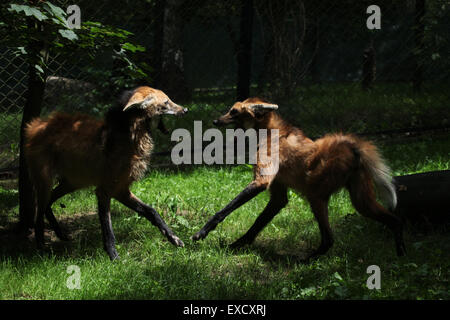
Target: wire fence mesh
317	59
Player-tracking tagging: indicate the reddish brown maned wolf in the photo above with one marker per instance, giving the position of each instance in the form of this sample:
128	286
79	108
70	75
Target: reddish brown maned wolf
316	169
110	154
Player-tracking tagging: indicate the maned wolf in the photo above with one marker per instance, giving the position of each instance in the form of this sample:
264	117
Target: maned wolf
316	169
110	154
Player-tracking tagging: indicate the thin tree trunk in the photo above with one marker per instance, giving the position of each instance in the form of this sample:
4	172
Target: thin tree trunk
32	109
419	34
244	55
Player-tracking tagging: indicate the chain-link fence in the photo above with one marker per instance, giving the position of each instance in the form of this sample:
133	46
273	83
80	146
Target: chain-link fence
317	59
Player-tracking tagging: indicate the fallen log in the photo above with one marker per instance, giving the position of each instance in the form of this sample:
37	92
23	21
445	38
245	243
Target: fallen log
424	198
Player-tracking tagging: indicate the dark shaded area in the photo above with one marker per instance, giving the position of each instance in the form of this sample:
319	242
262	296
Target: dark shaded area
244	54
423	198
419	40
369	66
85	237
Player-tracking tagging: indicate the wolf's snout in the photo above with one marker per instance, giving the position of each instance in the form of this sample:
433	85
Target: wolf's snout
181	110
219	122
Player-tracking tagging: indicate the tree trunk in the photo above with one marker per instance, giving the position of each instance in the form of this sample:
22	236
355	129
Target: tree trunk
423	198
32	109
244	55
173	80
419	34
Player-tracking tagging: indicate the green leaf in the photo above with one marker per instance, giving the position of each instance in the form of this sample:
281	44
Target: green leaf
133	48
19	51
338	276
310	291
59	22
39	68
68	34
16	8
435	56
29	11
55	11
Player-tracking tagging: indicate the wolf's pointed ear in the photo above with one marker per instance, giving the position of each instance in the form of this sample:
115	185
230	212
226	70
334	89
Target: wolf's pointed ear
138	102
261	108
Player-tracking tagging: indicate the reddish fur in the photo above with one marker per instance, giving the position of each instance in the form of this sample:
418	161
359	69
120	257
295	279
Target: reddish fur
66	145
316	169
75	147
110	154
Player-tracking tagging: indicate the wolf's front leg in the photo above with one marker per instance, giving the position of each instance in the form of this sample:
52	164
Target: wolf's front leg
251	191
134	203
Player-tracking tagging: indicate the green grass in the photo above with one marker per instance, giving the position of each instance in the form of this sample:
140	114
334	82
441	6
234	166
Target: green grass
9	137
151	268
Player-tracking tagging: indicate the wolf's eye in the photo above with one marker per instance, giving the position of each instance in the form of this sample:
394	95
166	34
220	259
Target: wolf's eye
233	112
166	102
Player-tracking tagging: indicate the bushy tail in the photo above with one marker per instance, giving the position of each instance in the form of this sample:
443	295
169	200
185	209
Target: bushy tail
374	164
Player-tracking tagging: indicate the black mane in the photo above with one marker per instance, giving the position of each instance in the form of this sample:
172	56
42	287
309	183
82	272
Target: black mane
118	119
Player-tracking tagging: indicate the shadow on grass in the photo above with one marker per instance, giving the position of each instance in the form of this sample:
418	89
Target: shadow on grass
84	232
355	236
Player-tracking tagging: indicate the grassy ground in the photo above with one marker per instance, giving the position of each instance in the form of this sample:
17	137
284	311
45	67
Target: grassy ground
151	268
